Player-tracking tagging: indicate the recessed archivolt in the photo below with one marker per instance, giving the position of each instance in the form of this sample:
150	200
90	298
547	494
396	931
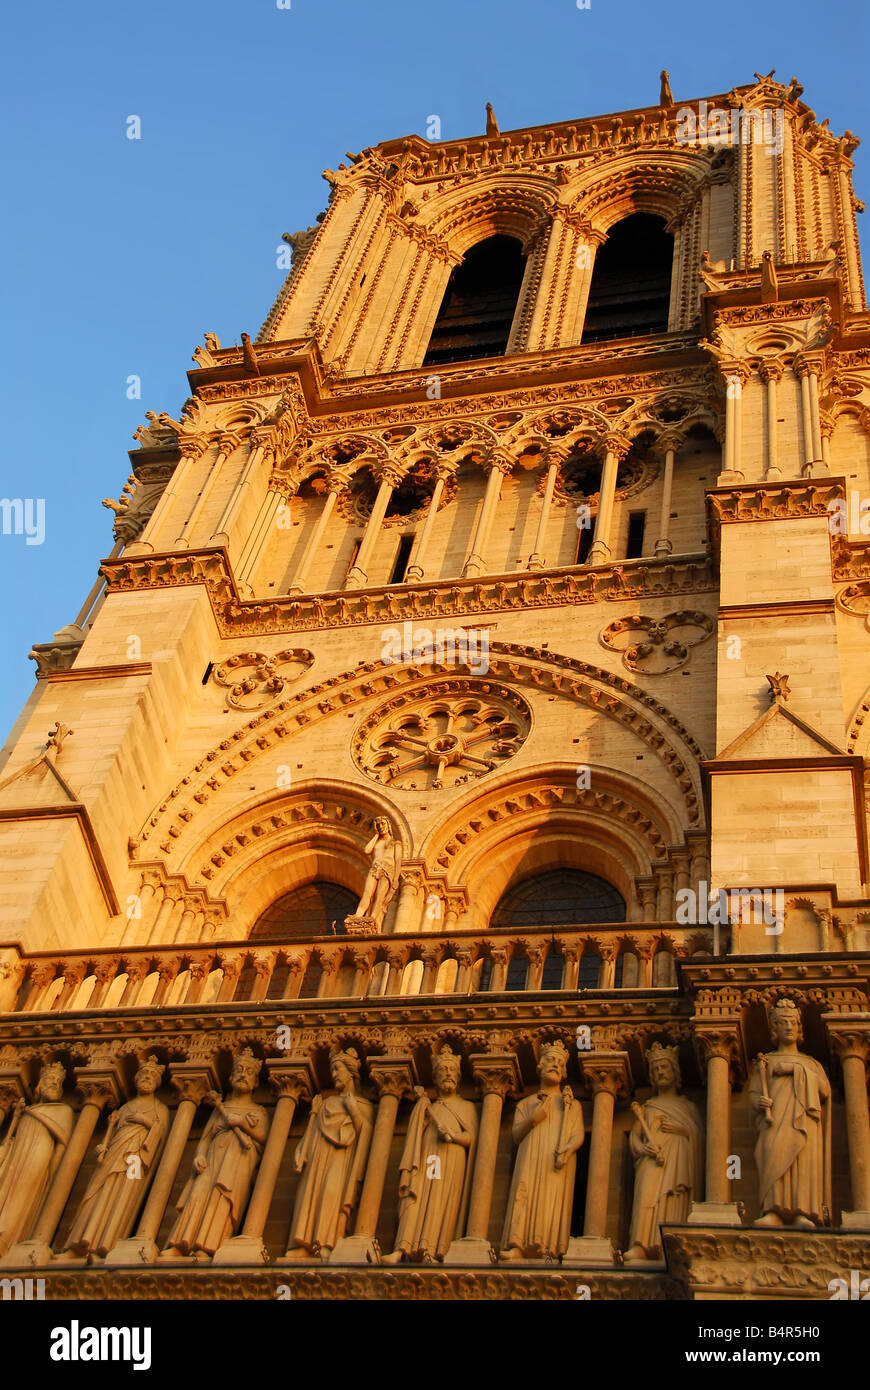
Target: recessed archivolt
635	185
520	826
590	686
314	830
490	206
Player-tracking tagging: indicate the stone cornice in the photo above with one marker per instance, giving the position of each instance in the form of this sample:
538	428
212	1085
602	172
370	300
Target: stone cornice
490	593
749	1263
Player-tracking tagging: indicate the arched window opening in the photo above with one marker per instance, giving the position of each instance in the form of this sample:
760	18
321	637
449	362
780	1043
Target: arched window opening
590	970
517	973
559	898
627	970
551	976
311	979
631	282
316	909
477	310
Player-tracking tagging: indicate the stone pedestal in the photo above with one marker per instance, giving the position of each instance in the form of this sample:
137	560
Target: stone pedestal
361	926
241	1250
135	1250
356	1250
714	1214
855	1220
469	1250
590	1250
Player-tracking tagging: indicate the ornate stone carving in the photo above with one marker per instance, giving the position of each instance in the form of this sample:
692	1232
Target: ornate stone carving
31	1153
451	735
267	676
126	1161
436	1166
548	1129
668	640
211	1204
666	1142
331	1158
382	879
791	1097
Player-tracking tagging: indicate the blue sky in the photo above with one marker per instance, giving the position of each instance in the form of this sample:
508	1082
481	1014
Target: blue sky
120	253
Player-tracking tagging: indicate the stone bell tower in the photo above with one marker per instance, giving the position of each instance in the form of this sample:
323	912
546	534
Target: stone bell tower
327	815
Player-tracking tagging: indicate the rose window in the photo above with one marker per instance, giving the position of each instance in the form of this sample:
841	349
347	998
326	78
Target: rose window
442	740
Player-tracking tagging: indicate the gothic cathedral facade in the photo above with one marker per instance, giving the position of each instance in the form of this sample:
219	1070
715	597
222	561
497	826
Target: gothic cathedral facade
346	947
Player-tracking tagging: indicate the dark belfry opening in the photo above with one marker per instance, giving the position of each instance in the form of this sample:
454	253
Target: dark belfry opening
631	282
479	302
403	555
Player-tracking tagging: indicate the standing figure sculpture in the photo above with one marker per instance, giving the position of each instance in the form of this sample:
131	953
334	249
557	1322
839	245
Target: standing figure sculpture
331	1158
126	1162
667	1143
211	1205
436	1167
31	1153
382	879
791	1097
548	1127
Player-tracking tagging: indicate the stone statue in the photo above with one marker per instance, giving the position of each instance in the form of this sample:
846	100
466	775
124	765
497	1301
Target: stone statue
331	1158
791	1097
666	1142
548	1127
212	342
383	875
436	1167
31	1154
210	1206
126	1161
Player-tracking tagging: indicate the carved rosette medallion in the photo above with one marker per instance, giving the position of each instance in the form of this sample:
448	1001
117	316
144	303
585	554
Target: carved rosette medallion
657	645
451	733
252	679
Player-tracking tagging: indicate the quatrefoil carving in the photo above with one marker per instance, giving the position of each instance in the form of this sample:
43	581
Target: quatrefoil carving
665	644
252	679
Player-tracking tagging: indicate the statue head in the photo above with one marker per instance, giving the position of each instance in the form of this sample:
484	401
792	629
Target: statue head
345	1065
382	825
664	1066
246	1069
446	1069
149	1075
553	1061
785	1021
50	1083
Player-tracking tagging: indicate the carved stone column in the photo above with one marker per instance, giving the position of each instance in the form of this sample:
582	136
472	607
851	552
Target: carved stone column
736	375
497	1074
362	965
417	568
718	1041
336	483
389	478
616	447
293	1081
571	950
771	373
255	546
193	1080
190	449
499	957
849	1035
498	466
536	560
100	1084
608	1075
669	443
431	957
394	1078
408	908
227	444
807	369
260	439
465	965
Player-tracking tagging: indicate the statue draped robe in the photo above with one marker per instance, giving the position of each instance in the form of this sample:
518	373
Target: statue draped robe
107	1211
332	1159
434	1209
664	1192
29	1165
793	1154
538	1220
212	1201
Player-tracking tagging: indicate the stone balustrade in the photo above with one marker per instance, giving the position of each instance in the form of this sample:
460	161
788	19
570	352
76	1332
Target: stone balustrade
542	958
